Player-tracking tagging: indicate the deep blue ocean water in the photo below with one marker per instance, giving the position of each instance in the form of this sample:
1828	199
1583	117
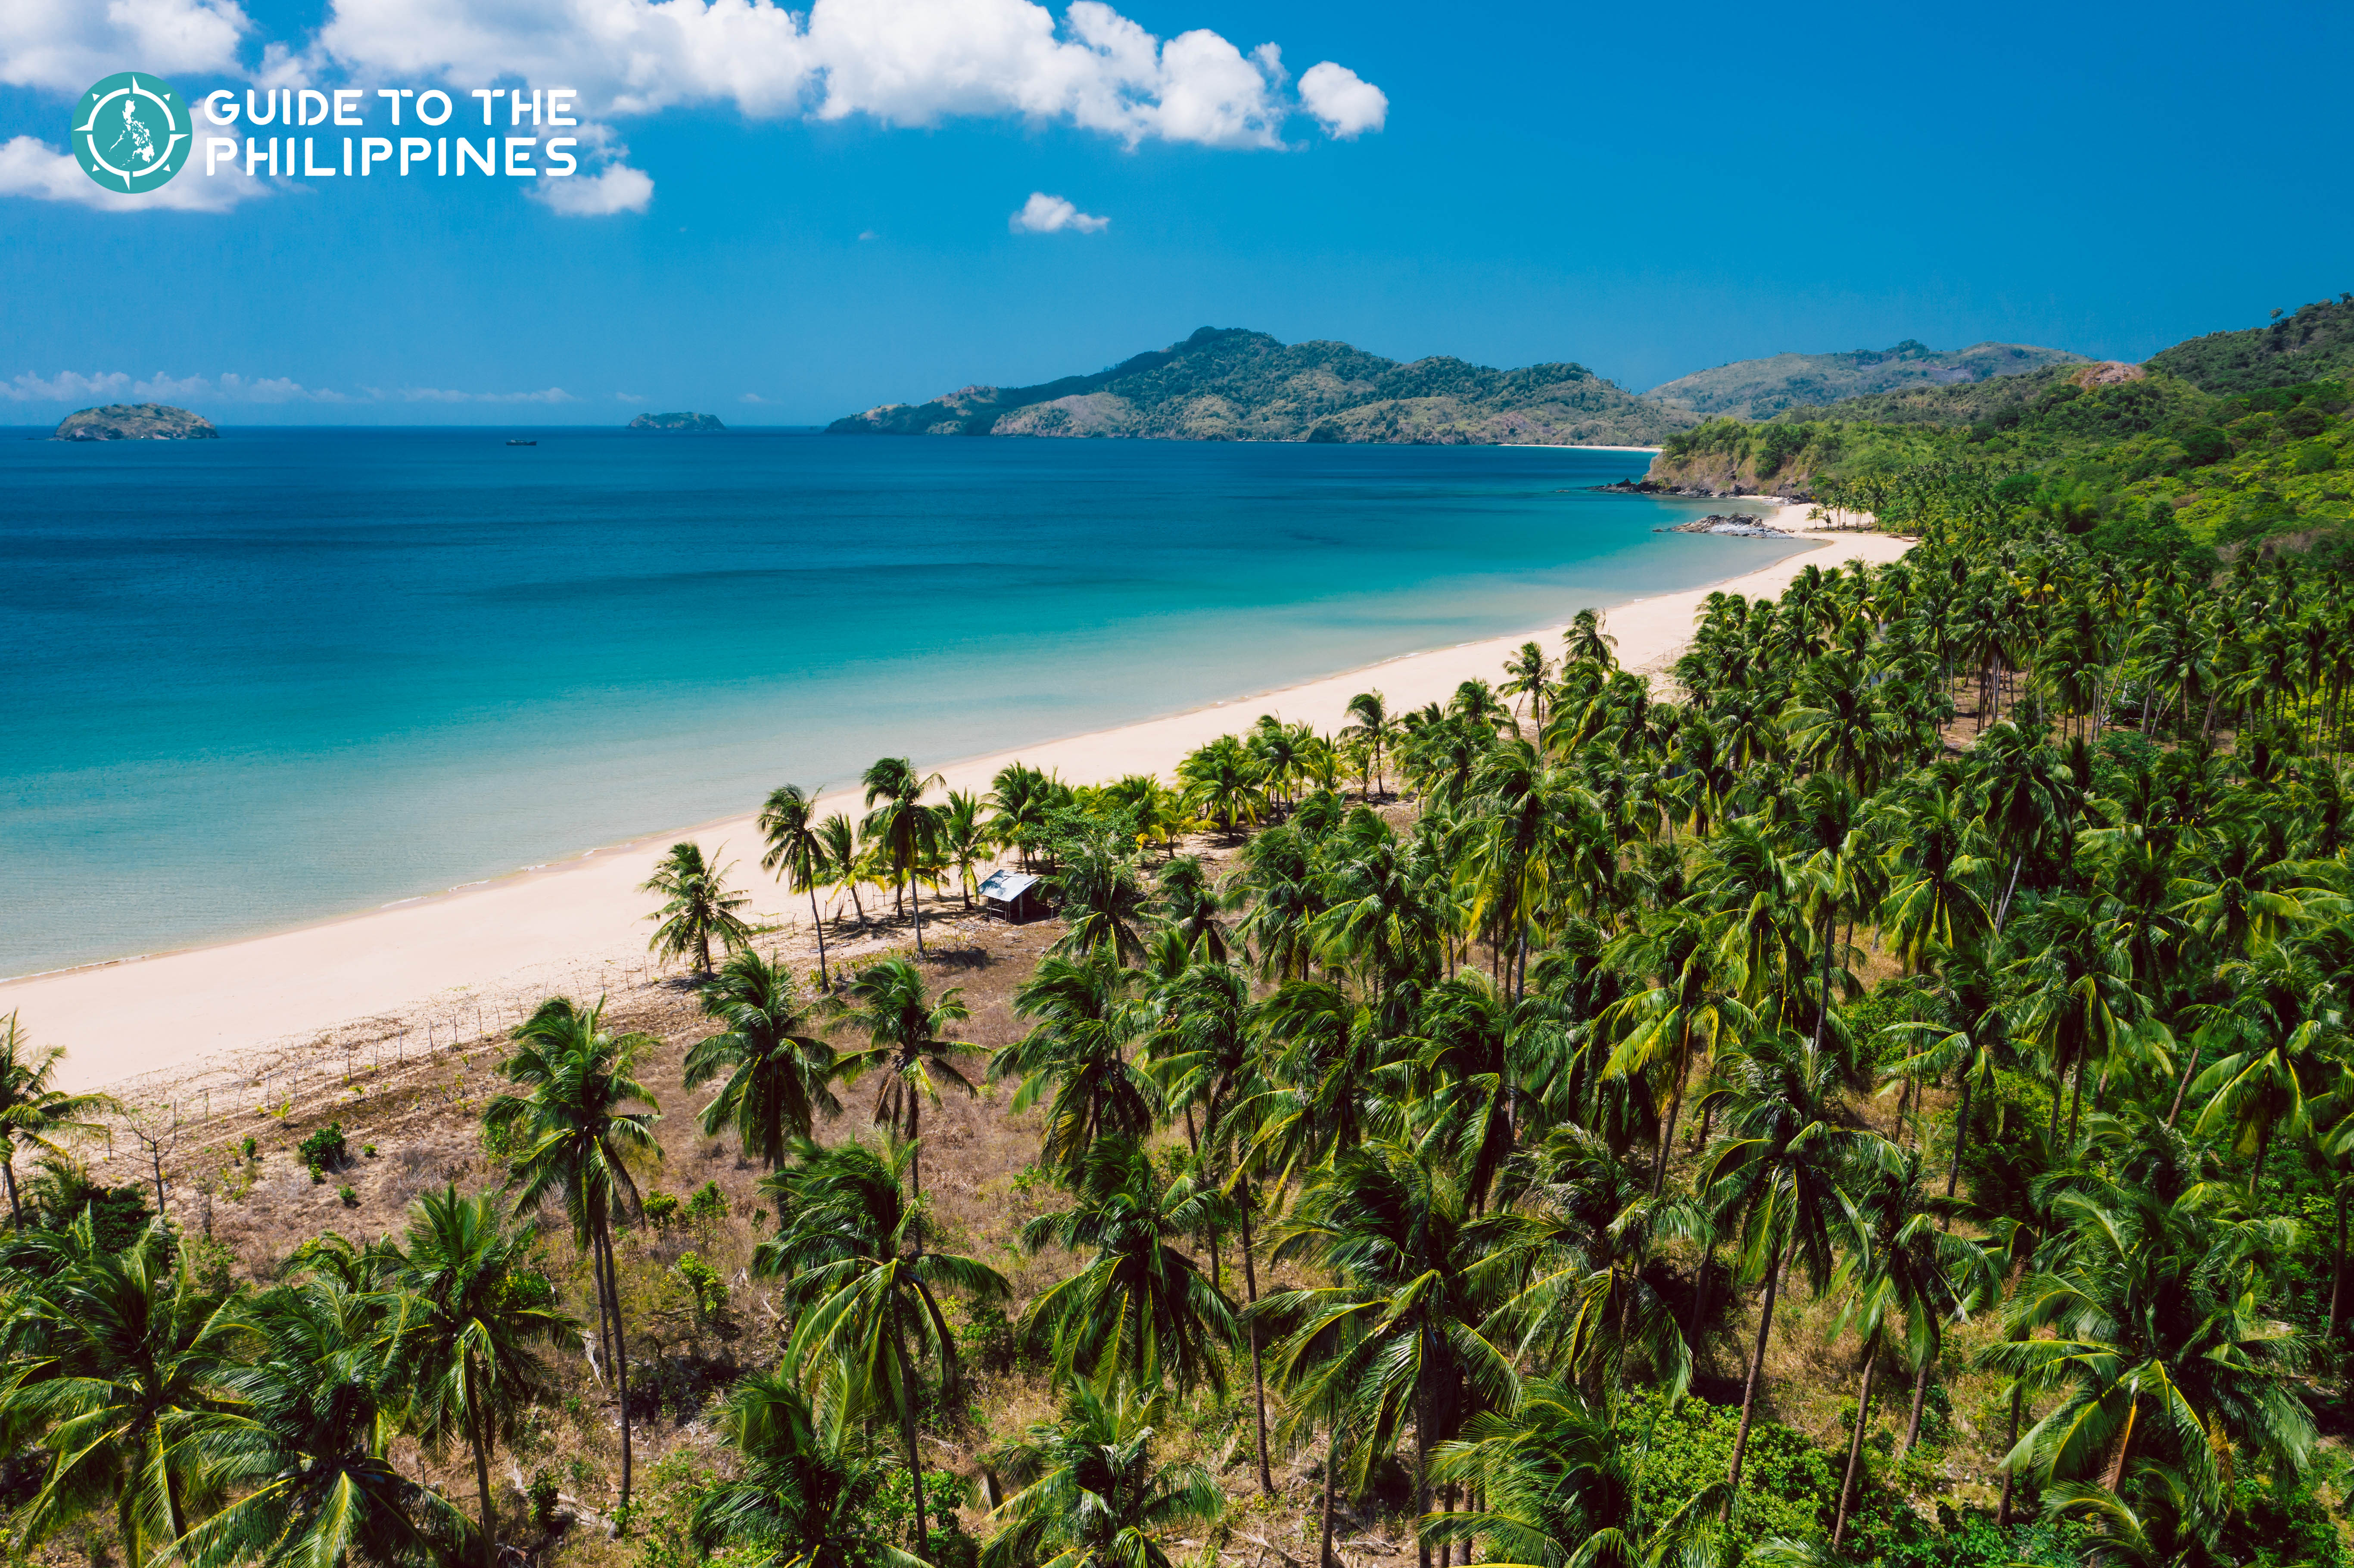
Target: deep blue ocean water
294	673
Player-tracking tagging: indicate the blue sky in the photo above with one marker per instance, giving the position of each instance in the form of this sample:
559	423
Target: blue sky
1643	190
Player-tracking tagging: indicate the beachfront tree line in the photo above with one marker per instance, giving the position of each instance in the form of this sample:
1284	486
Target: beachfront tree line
1962	951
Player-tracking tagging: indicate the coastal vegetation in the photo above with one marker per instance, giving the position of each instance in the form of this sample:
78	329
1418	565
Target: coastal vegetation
1879	1094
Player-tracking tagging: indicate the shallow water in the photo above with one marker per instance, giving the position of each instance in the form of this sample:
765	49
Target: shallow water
294	673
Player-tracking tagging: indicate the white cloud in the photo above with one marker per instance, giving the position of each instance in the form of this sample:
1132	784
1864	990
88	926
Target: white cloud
627	398
115	387
617	188
66	44
33	168
903	62
1344	103
436	394
1044	213
751	398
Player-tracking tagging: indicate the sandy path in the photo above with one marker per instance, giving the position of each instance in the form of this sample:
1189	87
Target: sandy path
567	923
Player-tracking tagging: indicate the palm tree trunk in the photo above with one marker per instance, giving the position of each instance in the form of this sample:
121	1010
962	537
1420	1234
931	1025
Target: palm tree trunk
2075	1104
1961	1136
2002	1514
2337	1269
817	923
621	1350
1259	1374
16	1210
1325	1557
916	1167
1422	1471
1756	1376
483	1486
1700	1296
914	1462
916	902
1920	1402
1855	1447
2183	1086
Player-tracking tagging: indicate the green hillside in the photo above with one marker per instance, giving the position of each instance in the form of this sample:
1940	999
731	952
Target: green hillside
2313	344
1233	384
1758	388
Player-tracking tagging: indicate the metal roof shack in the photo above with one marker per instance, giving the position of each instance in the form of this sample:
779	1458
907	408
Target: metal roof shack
1013	895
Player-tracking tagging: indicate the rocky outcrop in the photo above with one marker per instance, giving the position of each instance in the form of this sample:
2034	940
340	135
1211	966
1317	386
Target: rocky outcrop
135	422
2107	373
677	422
1738	525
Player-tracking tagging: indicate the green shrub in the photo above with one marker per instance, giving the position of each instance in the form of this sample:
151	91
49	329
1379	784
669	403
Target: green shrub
705	1284
708	1206
542	1495
661	1209
351	1199
324	1150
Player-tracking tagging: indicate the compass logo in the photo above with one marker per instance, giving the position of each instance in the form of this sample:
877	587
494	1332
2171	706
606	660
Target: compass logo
131	132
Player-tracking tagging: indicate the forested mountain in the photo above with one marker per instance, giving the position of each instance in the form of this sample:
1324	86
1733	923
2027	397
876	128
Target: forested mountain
1235	385
1758	388
2313	344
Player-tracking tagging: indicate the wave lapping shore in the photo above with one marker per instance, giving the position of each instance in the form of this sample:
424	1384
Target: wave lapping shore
423	971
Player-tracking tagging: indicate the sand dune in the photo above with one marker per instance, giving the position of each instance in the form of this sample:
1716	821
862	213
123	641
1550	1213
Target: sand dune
553	926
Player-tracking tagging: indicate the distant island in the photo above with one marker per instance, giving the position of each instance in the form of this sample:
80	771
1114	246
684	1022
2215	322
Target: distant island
1236	385
677	422
1760	389
135	422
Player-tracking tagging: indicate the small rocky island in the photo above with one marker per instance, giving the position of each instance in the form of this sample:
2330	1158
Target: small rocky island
135	422
677	422
1740	525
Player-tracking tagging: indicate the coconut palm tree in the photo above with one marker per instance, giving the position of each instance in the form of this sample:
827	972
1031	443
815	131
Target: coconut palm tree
1139	1307
34	1112
1077	1047
462	1331
697	906
574	1117
908	1046
1370	722
801	1474
121	1361
798	852
1561	1484
842	866
1691	1013
305	1457
1394	1341
2148	1316
1587	643
1023	799
1224	782
898	819
1091	1494
778	1072
1528	674
865	1293
1778	1173
1903	1278
966	841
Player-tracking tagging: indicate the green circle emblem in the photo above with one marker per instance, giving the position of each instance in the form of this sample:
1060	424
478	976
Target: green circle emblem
131	132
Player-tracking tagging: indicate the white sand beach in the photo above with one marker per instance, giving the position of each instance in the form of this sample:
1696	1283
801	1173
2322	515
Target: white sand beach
557	925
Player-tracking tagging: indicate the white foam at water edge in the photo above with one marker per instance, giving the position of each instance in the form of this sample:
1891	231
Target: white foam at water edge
398	902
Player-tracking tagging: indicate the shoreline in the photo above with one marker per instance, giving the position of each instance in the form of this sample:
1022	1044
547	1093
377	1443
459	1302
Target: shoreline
126	1018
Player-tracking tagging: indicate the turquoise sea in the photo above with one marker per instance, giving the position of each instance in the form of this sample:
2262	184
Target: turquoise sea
292	674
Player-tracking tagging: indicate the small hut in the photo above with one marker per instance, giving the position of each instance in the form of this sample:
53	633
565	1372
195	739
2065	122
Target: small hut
1013	895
